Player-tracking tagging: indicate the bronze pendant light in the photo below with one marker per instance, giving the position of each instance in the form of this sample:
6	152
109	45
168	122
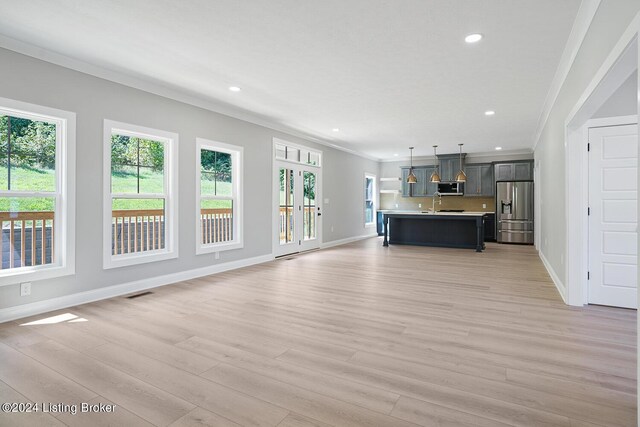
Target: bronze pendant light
435	176
461	176
411	179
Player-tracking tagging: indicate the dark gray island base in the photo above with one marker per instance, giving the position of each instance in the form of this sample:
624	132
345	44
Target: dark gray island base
454	230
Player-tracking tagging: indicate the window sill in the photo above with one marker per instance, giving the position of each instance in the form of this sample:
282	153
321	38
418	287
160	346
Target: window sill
219	247
135	259
33	274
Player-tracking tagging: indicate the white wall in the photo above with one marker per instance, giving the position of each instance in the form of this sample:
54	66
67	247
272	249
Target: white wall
624	102
611	19
92	99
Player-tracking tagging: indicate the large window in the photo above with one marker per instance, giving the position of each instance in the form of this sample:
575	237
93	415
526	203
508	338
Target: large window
37	148
140	203
219	201
369	200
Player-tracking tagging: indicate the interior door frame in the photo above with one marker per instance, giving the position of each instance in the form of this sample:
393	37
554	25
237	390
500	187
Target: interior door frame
623	60
275	185
593	124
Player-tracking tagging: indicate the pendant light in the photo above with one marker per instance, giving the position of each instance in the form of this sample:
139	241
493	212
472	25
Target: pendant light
411	178
461	176
435	176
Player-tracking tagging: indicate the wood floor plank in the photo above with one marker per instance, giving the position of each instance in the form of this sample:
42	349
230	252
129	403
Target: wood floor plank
146	401
357	334
222	400
367	397
119	417
299	400
21	419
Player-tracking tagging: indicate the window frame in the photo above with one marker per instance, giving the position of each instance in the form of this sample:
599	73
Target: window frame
373	199
170	195
64	194
237	165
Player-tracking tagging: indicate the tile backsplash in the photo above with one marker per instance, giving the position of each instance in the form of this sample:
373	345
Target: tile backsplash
474	204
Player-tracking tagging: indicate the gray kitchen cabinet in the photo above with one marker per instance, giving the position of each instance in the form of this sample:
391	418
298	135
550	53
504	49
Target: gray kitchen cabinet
514	171
423	187
449	166
479	180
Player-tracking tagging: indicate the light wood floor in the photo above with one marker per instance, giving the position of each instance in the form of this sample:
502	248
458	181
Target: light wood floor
354	335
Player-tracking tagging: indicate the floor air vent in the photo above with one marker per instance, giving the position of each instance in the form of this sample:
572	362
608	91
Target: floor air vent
141	294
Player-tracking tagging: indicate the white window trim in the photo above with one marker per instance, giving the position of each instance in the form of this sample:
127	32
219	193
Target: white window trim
171	190
278	141
375	201
237	159
64	244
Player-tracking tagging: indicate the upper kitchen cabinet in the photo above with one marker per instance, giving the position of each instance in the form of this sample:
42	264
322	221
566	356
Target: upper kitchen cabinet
449	166
423	187
514	171
479	180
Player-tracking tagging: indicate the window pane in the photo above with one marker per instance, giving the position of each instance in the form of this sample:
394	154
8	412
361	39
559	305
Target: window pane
286	206
27	231
314	159
215	173
137	225
368	189
368	212
281	152
309	221
137	165
216	221
27	154
293	154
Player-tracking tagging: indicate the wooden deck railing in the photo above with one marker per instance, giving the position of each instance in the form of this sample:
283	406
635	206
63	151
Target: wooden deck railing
27	237
286	223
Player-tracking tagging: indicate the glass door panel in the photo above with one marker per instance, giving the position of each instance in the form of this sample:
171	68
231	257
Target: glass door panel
287	207
310	212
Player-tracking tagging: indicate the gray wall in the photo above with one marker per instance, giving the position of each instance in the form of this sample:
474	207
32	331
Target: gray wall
30	80
624	102
611	19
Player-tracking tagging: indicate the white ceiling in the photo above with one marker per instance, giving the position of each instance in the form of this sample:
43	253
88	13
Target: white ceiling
388	74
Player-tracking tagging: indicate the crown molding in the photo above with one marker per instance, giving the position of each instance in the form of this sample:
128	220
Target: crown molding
470	157
581	24
161	89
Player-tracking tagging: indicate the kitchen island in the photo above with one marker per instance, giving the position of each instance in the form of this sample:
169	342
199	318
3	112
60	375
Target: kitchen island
444	229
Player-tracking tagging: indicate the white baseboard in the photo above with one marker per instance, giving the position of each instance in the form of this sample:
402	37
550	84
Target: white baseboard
347	240
562	289
31	309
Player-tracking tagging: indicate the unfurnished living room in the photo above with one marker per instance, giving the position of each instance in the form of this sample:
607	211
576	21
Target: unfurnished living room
319	213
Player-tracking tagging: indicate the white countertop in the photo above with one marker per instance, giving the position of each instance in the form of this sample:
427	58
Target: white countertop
425	213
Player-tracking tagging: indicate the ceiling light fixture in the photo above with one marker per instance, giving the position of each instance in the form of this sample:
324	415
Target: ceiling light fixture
234	89
435	176
336	130
473	38
461	176
395	154
411	178
489	113
498	148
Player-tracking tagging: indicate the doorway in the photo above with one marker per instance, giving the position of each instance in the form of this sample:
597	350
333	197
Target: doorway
613	197
297	195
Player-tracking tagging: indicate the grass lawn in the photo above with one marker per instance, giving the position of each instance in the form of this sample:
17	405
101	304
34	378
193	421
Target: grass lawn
29	179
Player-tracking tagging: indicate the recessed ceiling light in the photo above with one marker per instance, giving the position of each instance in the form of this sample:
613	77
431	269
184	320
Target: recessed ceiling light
395	154
234	89
498	148
336	130
473	38
489	113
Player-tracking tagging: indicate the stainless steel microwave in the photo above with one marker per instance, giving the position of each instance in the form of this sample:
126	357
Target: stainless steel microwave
451	188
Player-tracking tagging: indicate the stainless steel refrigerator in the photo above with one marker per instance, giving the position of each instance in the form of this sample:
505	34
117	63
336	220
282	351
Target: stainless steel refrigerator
514	212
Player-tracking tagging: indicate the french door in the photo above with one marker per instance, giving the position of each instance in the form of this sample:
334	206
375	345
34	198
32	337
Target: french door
298	216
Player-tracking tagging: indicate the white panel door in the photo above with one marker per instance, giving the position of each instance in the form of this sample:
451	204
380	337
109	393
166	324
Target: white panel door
613	193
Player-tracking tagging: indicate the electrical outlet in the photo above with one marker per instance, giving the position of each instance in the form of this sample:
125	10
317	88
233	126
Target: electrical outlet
217	255
25	289
484	206
332	228
419	205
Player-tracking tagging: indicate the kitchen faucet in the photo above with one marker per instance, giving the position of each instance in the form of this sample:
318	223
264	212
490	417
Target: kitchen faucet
433	205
